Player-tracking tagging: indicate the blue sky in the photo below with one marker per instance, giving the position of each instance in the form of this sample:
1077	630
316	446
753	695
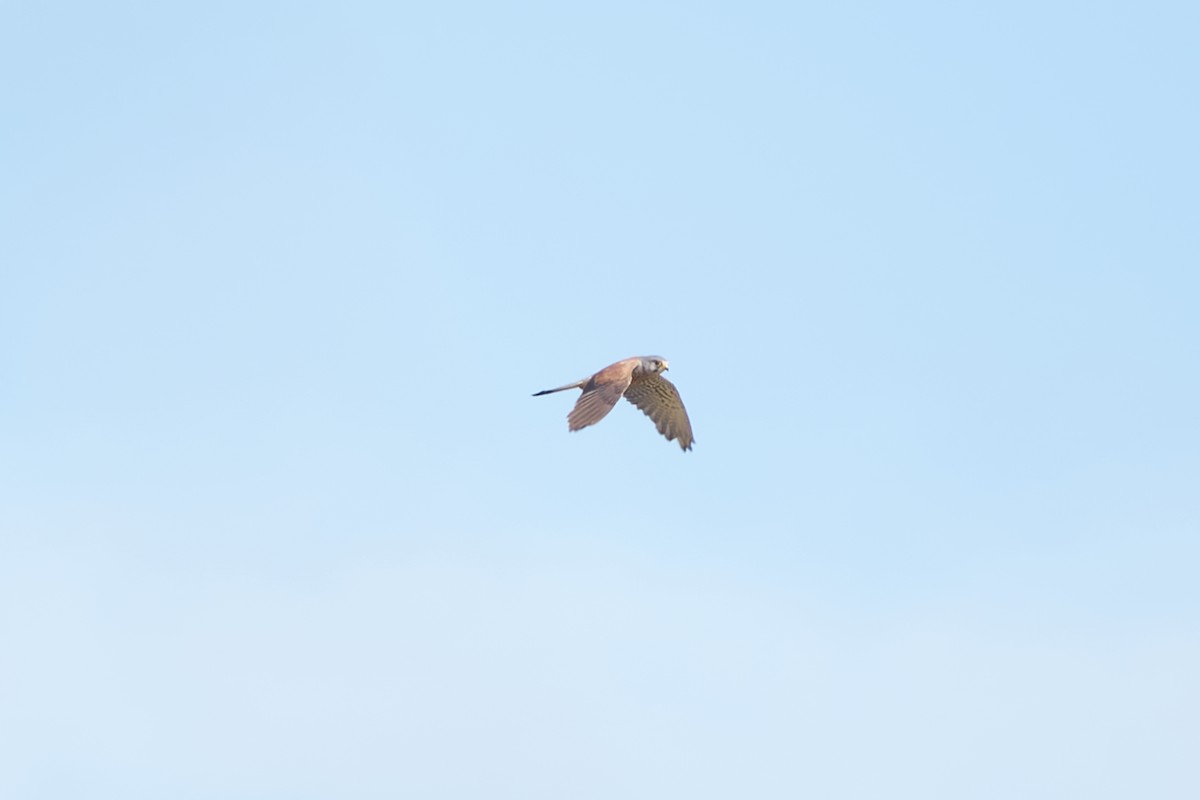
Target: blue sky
279	517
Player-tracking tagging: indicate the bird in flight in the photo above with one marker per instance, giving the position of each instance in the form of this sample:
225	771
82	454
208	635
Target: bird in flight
641	382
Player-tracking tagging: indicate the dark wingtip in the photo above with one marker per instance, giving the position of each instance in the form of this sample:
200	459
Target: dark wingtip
539	394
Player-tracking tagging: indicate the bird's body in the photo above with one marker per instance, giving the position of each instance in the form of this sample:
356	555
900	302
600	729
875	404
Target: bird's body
639	380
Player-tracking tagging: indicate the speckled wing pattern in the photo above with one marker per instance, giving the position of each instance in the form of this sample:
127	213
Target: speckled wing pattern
659	400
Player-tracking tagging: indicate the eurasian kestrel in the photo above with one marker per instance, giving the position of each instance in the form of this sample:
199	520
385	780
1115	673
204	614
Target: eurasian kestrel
640	380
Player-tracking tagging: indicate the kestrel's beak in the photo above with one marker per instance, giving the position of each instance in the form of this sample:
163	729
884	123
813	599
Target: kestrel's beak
666	366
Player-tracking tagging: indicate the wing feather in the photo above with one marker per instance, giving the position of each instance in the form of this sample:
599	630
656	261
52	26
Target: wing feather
659	400
600	395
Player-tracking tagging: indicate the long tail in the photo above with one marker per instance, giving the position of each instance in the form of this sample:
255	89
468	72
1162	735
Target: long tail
575	385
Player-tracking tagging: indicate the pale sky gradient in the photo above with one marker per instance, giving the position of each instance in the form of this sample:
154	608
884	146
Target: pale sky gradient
280	519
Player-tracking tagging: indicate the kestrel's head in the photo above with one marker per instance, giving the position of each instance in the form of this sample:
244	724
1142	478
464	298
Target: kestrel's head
654	364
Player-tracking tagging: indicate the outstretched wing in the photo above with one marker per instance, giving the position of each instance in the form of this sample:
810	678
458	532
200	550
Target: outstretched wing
600	394
659	400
